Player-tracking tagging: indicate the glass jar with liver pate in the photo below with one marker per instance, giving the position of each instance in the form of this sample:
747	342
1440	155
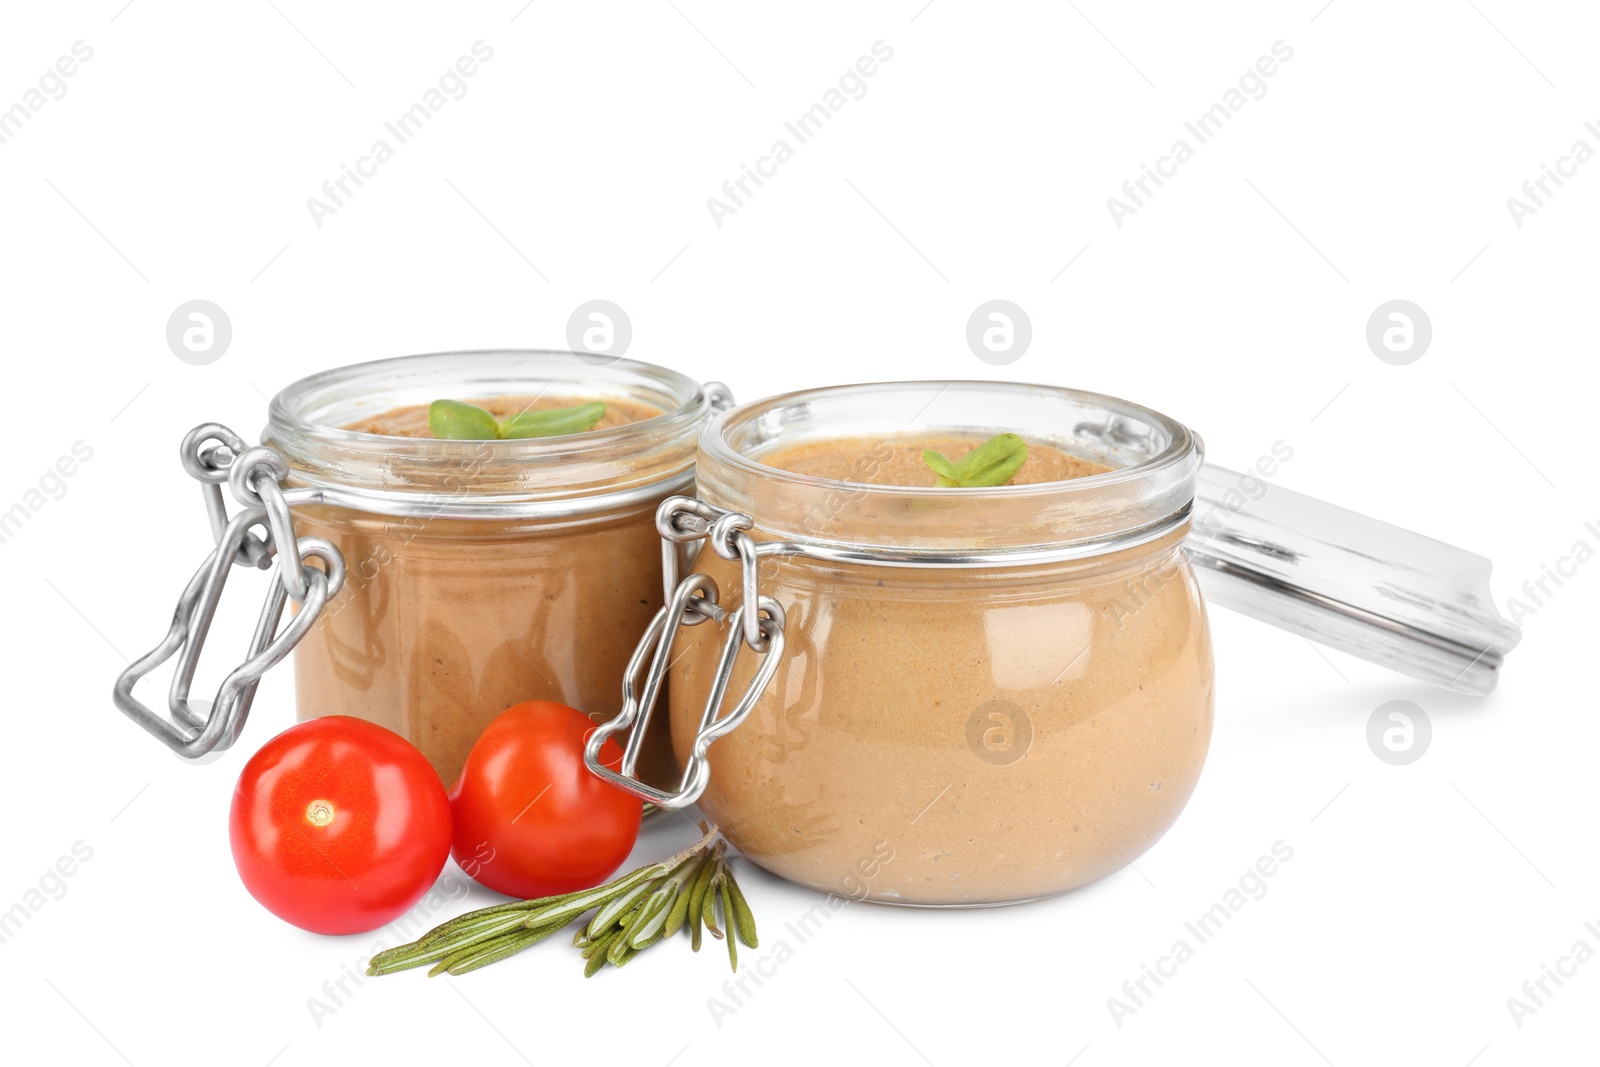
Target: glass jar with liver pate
475	573
975	696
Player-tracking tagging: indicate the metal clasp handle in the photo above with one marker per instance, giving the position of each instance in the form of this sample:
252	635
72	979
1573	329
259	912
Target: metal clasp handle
757	624
214	454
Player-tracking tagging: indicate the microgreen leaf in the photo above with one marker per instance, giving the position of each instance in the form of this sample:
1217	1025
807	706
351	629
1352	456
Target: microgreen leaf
995	462
941	466
451	420
553	422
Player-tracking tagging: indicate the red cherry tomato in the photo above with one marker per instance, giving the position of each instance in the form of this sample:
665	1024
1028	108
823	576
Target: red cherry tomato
339	825
530	819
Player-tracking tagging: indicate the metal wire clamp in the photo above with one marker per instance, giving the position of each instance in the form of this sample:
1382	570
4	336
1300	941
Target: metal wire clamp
757	623
214	454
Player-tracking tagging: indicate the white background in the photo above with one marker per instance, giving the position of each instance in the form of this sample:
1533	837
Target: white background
1377	166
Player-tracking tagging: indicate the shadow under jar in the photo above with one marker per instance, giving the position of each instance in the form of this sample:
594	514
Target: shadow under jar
480	574
984	695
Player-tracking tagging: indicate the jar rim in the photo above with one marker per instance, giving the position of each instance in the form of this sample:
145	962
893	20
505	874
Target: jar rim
1148	491
1182	445
282	416
533	477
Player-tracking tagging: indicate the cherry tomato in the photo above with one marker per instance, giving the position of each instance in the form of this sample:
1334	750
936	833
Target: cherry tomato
530	819
339	825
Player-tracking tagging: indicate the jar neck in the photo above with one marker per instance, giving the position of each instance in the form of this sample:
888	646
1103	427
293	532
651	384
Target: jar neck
1145	497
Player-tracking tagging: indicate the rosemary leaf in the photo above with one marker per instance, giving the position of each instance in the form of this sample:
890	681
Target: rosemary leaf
579	903
601	945
608	915
490	951
680	905
708	909
741	908
620	952
730	917
663	902
697	896
487	954
416	954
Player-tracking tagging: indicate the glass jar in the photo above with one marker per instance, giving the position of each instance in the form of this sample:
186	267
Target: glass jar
479	574
985	695
971	696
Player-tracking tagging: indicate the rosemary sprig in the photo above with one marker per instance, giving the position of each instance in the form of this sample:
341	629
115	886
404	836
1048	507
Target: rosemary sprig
631	913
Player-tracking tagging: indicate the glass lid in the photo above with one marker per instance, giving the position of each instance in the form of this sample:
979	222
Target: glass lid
1349	581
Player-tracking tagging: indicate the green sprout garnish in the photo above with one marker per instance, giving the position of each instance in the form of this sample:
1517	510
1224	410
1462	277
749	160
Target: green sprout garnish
994	462
452	420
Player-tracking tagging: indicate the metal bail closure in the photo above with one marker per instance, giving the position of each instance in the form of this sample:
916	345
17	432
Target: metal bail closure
207	453
214	454
196	733
694	600
193	732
